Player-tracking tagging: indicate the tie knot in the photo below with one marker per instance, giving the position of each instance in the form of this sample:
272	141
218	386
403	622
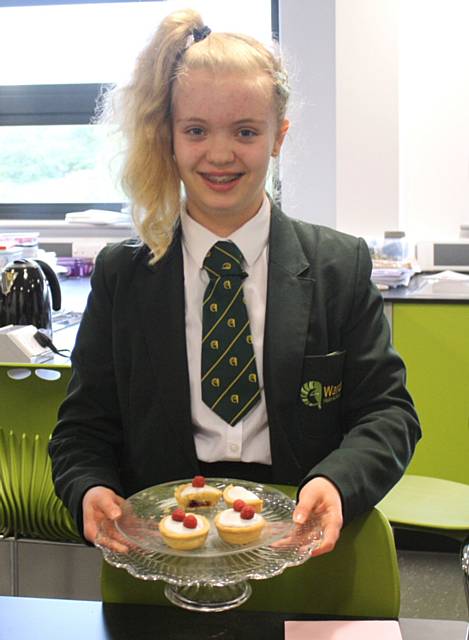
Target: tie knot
224	259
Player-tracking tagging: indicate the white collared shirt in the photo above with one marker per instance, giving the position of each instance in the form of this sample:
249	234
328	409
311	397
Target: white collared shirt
216	440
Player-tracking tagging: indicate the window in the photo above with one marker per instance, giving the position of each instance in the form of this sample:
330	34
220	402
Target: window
52	160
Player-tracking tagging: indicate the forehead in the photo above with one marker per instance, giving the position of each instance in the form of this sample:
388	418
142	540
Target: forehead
205	95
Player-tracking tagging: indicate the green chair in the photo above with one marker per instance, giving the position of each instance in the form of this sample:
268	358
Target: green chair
433	496
360	578
29	507
464	557
429	505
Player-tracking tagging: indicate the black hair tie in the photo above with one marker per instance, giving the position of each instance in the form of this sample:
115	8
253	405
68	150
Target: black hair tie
200	34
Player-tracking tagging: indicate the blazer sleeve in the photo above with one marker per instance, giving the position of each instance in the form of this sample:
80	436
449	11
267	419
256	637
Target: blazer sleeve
86	443
379	422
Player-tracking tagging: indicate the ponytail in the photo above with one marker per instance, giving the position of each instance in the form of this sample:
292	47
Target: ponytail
142	111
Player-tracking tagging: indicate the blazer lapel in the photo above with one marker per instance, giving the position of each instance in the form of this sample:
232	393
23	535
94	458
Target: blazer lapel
162	300
288	314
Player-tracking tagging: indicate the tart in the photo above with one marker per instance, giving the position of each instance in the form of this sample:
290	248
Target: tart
235	492
197	494
184	531
239	525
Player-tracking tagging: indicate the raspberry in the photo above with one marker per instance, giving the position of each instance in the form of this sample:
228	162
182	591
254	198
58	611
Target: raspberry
190	521
198	481
238	504
178	515
247	513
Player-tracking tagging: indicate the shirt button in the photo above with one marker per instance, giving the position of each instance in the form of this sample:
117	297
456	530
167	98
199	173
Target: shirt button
234	448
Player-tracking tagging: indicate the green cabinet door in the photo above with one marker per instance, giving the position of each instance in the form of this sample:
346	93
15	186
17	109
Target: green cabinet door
433	340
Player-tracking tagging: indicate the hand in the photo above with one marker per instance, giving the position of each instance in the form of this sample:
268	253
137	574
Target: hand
101	507
319	497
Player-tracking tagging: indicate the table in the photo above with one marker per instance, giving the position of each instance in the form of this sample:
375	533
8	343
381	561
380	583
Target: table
47	619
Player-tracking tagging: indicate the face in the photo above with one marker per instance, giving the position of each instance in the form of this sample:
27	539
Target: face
224	132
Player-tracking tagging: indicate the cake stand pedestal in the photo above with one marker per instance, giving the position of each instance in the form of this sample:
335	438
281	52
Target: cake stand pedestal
207	598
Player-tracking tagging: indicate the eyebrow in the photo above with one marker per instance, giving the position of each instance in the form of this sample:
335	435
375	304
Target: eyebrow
237	122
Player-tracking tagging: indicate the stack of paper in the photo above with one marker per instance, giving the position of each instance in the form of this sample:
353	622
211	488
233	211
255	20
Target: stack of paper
342	630
98	216
388	274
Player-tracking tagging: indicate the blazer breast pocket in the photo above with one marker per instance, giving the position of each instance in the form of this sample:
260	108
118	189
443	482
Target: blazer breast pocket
319	396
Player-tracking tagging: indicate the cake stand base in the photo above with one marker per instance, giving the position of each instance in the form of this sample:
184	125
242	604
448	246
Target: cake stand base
205	598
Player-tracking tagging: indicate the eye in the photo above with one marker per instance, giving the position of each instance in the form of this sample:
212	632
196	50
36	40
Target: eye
247	133
195	132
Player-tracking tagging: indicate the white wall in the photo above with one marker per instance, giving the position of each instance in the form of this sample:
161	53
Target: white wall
308	160
434	116
367	116
399	157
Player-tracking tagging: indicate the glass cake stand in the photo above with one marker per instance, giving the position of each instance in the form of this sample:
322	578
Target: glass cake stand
215	576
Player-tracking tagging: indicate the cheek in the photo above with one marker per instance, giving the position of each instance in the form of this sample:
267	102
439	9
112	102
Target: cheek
262	159
186	156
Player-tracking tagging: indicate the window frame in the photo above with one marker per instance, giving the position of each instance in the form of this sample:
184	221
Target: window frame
25	105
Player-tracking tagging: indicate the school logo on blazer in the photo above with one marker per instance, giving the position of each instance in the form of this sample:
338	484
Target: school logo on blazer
316	394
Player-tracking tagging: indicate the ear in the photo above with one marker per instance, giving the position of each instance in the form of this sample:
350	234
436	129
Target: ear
282	132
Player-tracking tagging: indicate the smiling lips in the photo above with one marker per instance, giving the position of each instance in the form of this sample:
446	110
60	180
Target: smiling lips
221	181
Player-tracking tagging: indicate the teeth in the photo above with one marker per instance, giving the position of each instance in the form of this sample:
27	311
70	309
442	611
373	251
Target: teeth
221	179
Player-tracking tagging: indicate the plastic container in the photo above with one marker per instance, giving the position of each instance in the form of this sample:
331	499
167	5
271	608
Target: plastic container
76	267
395	246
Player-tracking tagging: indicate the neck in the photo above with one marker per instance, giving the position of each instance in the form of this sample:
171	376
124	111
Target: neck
222	225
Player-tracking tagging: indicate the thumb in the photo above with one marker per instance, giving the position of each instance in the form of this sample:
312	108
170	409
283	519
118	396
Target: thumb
110	507
305	506
106	502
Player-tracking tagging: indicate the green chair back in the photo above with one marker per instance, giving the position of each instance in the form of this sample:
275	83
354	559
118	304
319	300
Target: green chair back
28	412
29	401
430	505
359	578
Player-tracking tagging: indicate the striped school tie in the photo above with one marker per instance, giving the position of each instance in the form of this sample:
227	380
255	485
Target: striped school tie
229	376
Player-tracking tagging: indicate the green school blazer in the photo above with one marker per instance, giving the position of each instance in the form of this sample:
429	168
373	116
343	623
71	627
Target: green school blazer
335	388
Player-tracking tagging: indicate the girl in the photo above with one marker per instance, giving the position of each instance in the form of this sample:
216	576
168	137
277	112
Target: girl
231	341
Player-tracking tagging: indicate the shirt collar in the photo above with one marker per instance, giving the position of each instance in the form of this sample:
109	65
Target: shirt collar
251	238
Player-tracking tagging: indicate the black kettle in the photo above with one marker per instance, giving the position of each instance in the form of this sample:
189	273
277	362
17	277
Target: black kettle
29	290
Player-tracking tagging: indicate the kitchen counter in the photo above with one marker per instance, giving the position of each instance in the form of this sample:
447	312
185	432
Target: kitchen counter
424	288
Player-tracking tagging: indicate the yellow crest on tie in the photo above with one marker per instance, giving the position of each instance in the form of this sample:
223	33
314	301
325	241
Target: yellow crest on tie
227	284
213	344
249	339
215	382
252	377
231	322
233	361
234	398
226	266
214	307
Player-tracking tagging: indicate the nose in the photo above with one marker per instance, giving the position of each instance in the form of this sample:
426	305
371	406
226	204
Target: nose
220	151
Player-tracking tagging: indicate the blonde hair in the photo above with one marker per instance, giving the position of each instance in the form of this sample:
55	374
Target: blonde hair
142	112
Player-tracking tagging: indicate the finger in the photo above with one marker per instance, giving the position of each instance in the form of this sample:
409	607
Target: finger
331	533
111	543
90	530
90	523
283	542
108	536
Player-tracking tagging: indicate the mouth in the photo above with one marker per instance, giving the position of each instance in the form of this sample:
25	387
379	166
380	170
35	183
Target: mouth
221	178
221	182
